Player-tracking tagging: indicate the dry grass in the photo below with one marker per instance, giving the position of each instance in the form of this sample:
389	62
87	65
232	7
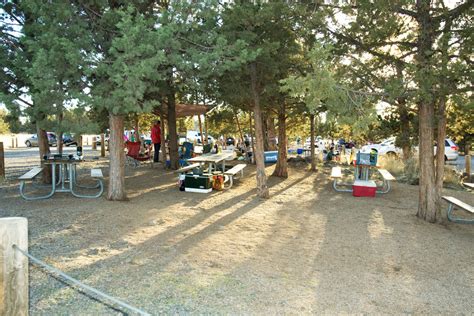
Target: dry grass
407	171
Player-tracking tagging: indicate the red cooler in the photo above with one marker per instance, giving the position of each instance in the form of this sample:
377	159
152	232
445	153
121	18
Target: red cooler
364	188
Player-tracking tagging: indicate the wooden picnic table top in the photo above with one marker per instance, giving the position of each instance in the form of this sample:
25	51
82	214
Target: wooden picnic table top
215	158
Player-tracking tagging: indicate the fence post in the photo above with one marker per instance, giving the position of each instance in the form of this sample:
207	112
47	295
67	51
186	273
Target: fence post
2	161
13	142
94	143
13	266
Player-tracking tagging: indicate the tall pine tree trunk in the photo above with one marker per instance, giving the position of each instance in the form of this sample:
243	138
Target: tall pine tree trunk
44	150
405	140
60	143
252	139
313	155
271	133
164	145
172	132
262	187
440	150
116	190
428	195
281	168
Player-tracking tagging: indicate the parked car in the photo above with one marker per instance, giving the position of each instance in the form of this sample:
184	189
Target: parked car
195	136
68	140
33	140
387	147
98	141
318	142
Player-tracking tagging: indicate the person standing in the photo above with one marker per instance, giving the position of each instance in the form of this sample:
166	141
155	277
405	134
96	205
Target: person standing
156	140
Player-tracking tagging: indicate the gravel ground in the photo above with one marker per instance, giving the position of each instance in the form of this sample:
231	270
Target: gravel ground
305	250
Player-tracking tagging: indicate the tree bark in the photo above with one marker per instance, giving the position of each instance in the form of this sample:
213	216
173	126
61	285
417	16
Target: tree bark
252	140
262	187
137	132
427	207
59	143
200	130
164	145
312	138
173	135
102	145
44	150
440	150
271	133
116	190
281	168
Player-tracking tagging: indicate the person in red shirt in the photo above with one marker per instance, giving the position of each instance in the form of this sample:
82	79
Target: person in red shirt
156	140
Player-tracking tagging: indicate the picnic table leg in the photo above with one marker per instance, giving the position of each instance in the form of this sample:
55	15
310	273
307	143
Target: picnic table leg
334	185
74	174
50	194
71	188
457	219
385	187
230	179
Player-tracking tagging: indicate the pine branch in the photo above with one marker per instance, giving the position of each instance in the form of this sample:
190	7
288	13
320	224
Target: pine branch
454	13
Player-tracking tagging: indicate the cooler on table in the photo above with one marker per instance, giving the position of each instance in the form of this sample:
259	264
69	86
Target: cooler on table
364	188
197	183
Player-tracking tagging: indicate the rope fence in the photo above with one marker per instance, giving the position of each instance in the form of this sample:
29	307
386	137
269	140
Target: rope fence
75	282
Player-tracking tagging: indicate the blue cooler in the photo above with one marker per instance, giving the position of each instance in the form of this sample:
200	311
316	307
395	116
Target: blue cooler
270	156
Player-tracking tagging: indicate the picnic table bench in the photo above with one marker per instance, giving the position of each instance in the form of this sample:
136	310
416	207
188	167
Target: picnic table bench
187	168
336	174
30	176
233	171
469	185
452	203
387	177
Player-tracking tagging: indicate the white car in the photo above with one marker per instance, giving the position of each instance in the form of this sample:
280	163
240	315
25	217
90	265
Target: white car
195	136
387	147
318	143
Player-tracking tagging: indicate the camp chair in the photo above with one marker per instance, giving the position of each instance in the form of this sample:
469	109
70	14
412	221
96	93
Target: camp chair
133	154
187	150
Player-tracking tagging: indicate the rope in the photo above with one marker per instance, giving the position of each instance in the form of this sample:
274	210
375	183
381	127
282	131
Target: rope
78	283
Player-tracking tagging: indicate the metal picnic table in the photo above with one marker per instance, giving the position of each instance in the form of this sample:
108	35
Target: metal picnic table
67	177
213	160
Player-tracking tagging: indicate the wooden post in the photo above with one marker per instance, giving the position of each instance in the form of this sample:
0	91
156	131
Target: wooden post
2	161
13	142
16	142
102	145
13	266
94	143
312	128
468	166
200	131
205	129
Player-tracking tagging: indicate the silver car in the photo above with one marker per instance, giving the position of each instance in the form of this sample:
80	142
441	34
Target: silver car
33	140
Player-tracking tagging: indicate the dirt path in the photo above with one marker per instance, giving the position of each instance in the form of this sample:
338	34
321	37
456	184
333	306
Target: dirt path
306	250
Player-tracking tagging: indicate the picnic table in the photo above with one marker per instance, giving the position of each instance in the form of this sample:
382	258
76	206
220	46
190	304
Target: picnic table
67	177
213	160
